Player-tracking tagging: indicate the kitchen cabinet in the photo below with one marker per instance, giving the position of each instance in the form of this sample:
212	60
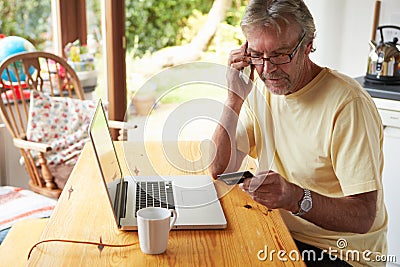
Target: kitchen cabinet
391	183
387	100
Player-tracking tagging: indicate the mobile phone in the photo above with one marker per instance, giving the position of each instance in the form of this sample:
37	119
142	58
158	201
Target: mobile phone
246	73
235	177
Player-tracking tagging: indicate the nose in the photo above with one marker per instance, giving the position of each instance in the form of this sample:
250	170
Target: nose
268	67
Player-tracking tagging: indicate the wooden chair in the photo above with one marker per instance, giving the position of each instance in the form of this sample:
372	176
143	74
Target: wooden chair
50	74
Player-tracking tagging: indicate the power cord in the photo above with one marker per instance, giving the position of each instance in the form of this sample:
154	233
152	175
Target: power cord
100	244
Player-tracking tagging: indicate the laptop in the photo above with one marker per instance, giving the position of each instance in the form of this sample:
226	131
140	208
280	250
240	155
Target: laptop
193	197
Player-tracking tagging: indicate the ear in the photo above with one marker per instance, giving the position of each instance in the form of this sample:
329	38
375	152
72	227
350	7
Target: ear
309	47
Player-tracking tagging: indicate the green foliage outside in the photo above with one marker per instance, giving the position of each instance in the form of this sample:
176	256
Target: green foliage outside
27	19
154	24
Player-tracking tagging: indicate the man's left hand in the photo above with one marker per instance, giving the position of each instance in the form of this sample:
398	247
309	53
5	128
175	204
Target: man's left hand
272	190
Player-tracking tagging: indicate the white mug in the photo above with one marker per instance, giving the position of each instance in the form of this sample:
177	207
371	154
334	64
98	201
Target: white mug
154	224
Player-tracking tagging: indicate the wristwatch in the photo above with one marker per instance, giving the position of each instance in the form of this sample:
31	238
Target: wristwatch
305	204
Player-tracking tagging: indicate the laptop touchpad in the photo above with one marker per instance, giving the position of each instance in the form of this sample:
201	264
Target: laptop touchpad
196	198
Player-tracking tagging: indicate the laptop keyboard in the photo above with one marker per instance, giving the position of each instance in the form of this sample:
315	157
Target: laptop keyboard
154	194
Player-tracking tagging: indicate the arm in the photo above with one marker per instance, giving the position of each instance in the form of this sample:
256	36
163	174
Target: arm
354	213
227	157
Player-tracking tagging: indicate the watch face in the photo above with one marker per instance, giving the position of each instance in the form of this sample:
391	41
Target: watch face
306	205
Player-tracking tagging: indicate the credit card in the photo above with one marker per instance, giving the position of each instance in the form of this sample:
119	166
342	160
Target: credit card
235	177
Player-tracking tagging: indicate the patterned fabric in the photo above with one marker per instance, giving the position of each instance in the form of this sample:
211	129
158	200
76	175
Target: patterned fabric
60	122
17	204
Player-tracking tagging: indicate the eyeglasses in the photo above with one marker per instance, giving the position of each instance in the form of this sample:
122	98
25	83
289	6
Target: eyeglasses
276	60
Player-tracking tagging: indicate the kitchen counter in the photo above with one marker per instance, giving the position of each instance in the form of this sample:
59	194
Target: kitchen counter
378	90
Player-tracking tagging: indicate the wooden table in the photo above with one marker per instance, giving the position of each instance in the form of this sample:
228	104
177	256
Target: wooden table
253	237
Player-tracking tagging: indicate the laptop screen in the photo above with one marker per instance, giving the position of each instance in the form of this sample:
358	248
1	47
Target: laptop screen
106	156
104	146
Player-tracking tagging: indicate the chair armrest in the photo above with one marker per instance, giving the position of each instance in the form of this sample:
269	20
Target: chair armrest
123	128
121	125
24	144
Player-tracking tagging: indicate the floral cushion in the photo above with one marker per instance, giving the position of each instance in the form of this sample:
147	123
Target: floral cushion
60	122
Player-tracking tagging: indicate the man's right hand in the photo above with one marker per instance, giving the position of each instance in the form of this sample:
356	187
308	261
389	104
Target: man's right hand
239	87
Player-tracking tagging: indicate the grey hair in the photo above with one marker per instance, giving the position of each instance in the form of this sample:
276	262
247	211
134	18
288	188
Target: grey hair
270	13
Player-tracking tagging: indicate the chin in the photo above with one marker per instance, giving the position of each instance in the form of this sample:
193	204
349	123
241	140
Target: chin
277	90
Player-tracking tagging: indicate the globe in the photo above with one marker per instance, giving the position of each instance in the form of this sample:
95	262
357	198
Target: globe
11	45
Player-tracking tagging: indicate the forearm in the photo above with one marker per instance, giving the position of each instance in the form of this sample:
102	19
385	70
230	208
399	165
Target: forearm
226	156
354	214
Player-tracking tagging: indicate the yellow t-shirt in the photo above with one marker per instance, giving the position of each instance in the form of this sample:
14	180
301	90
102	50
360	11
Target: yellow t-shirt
326	137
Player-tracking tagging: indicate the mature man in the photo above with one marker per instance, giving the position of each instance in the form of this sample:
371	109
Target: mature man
324	170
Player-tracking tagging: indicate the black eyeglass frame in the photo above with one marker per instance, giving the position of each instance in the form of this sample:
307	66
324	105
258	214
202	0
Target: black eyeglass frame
264	59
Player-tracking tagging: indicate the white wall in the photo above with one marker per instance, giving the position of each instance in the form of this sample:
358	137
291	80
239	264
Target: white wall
390	13
344	28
